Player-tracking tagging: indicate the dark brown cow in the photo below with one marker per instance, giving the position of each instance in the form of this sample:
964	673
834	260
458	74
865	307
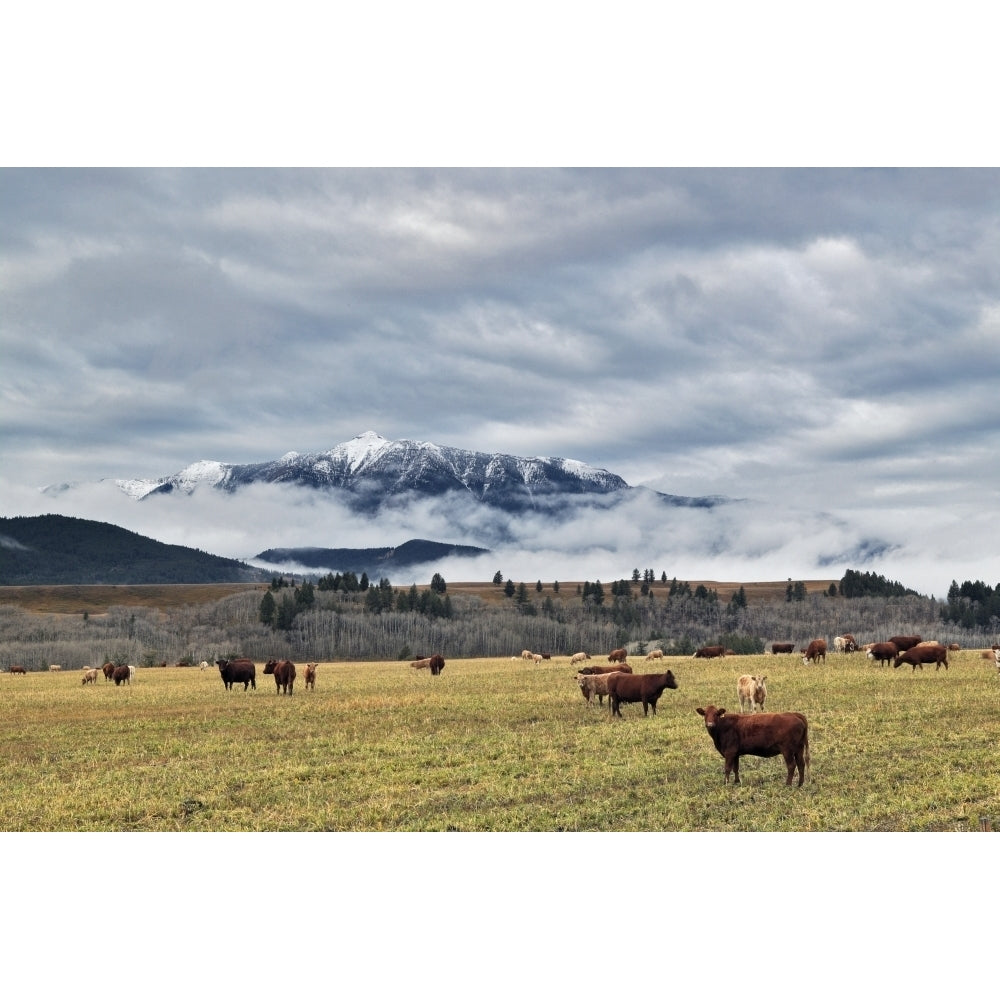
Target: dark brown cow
617	656
284	675
311	676
241	671
763	735
435	664
108	669
918	655
904	642
709	652
782	647
18	669
884	652
623	668
121	675
815	651
646	688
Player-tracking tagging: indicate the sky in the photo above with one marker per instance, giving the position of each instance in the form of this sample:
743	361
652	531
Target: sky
824	343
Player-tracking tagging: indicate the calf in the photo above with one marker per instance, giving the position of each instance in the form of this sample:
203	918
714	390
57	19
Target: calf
655	654
90	676
751	691
646	688
884	652
579	657
918	655
284	675
764	735
594	684
311	676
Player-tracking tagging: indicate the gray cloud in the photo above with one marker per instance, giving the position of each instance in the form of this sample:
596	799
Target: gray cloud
825	340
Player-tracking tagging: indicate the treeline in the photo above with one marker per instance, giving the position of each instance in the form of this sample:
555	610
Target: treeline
345	624
974	604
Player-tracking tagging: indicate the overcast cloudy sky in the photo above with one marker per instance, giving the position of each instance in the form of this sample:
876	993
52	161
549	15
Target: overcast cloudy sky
826	341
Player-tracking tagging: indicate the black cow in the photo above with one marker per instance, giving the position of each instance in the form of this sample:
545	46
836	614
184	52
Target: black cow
284	675
238	672
121	674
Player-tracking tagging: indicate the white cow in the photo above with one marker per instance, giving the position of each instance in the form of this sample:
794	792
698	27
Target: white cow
751	691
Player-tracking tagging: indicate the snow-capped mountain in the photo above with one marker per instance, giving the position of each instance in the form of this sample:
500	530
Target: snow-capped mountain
371	470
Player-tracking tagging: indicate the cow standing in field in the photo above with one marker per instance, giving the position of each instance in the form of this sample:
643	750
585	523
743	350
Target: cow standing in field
884	652
435	664
18	669
108	669
579	657
90	676
311	676
240	671
284	675
655	654
122	675
752	691
782	647
617	656
918	655
815	651
764	735
595	684
645	688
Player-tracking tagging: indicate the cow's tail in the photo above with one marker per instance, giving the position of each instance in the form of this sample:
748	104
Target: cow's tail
805	750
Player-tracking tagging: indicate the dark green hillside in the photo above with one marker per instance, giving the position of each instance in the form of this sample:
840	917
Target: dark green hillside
374	562
52	549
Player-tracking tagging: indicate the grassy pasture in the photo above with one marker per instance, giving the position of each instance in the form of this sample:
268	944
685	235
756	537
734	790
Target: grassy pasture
495	745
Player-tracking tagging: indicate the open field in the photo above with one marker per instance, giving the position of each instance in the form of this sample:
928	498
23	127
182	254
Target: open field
495	745
96	599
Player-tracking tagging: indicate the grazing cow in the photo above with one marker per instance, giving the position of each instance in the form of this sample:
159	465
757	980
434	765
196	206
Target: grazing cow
709	652
284	675
617	656
55	666
90	676
241	671
121	675
988	654
751	691
579	658
918	655
622	668
646	688
435	664
18	669
595	684
764	735
815	651
953	647
311	676
536	657
546	656
526	654
782	647
884	652
655	654
904	642
108	669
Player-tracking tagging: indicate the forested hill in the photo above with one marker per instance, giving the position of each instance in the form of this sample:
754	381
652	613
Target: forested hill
52	549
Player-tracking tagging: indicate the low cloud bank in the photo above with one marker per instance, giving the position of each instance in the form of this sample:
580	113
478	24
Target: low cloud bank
922	548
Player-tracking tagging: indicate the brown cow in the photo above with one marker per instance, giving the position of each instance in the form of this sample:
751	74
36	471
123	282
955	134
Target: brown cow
617	656
782	647
311	676
433	663
18	669
904	642
284	675
108	669
709	652
765	735
623	668
239	671
815	651
884	652
918	655
121	675
646	688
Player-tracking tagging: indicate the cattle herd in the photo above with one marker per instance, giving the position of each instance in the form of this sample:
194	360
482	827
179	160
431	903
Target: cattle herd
753	731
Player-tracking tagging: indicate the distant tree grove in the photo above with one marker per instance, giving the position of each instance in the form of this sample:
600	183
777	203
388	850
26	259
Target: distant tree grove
347	621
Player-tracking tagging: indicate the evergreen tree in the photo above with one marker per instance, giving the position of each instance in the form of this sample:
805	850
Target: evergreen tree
509	588
437	584
497	578
267	609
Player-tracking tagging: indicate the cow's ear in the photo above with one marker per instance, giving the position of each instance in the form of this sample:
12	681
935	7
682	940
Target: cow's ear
700	711
721	712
